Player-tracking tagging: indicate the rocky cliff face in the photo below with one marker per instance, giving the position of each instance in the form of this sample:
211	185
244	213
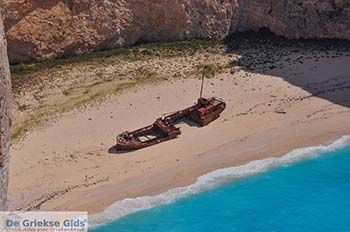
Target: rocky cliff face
5	117
299	18
41	29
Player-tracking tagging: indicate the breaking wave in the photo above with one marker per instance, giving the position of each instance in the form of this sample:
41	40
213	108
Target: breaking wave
210	181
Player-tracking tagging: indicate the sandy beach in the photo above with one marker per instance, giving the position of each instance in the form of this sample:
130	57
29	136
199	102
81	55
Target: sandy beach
68	164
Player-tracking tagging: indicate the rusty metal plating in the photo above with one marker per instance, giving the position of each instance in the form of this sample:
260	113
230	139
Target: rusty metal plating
163	129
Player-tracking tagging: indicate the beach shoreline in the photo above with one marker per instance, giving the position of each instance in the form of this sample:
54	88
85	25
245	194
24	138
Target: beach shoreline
260	155
268	114
213	180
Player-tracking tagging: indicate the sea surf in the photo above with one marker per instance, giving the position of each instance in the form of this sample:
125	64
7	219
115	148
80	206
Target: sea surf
274	194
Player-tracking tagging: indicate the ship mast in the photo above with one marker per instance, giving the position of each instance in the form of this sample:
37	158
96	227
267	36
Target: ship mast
202	84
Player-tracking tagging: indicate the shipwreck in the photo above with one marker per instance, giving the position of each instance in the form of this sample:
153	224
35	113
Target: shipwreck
203	112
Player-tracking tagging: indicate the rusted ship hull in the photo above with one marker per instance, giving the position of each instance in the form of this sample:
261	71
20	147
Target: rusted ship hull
203	112
146	136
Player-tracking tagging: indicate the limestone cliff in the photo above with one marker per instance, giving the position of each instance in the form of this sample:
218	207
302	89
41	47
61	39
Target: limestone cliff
41	29
299	18
5	117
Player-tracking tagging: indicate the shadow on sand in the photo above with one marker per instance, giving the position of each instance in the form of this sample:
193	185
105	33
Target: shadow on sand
320	67
113	150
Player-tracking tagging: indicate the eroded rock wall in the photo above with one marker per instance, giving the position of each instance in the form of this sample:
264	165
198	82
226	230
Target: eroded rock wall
5	117
43	29
299	18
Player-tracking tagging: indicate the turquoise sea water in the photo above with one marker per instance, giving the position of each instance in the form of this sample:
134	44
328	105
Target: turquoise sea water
309	195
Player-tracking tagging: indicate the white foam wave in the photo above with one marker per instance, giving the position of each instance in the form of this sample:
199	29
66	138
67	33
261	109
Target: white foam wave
211	180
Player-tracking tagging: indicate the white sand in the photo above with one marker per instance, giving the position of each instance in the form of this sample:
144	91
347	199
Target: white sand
66	166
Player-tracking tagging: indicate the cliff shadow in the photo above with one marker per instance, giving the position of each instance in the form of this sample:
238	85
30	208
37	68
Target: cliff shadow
320	67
